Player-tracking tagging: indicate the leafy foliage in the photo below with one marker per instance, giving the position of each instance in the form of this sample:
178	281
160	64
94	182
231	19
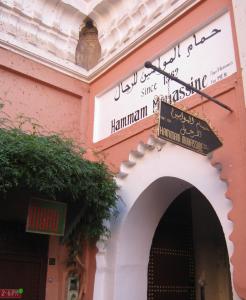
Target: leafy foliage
53	167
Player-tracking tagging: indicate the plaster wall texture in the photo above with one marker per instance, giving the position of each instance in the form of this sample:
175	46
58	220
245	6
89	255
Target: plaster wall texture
52	100
240	22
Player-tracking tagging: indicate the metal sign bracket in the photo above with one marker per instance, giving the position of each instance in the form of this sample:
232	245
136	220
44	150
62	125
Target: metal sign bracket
148	64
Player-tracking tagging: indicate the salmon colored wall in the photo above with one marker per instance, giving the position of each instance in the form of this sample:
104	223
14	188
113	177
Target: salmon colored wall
64	104
56	101
59	104
56	274
231	126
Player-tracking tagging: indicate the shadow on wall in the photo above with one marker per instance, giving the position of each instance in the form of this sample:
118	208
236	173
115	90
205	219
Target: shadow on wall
88	50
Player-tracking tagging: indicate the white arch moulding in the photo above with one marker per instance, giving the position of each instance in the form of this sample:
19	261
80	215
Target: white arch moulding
154	176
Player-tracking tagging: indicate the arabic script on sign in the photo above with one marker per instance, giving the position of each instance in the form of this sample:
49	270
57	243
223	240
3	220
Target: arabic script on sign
202	59
186	130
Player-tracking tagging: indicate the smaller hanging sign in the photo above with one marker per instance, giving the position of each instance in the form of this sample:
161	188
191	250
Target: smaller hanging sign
185	130
46	217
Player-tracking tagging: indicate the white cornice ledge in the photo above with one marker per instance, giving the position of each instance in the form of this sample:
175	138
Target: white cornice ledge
47	31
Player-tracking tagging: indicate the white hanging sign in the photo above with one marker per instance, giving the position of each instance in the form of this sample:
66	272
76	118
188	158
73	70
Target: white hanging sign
204	58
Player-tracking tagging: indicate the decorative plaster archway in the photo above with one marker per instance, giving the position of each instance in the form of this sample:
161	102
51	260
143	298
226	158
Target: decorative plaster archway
152	178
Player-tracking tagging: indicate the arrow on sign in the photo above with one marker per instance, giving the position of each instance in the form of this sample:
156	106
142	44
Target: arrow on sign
185	130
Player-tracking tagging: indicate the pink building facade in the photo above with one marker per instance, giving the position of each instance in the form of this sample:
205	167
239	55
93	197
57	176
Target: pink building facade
111	111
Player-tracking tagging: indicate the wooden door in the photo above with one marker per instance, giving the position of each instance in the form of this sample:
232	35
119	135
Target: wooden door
171	272
23	260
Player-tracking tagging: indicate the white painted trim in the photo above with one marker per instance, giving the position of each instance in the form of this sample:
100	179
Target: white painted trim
48	60
146	189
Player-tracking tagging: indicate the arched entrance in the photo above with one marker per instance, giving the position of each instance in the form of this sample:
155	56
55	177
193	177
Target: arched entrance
188	256
155	179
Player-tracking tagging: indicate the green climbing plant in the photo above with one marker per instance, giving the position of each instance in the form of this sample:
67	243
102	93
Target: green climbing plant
54	167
